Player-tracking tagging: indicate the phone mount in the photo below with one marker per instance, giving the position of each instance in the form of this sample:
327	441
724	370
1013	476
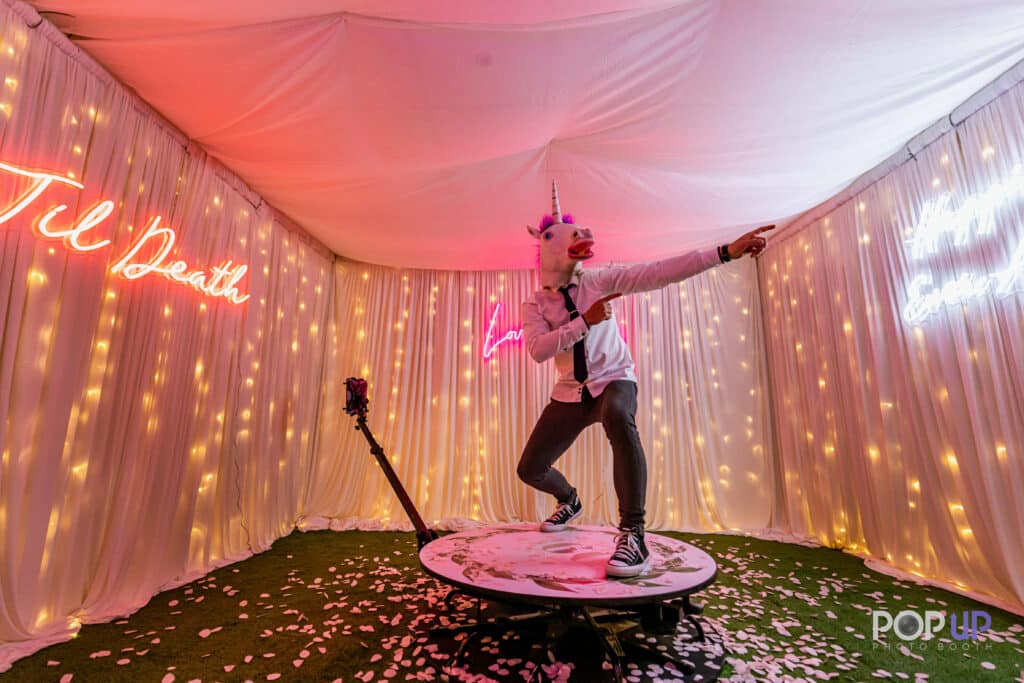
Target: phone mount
357	404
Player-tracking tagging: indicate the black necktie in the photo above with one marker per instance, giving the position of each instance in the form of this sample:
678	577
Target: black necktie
579	354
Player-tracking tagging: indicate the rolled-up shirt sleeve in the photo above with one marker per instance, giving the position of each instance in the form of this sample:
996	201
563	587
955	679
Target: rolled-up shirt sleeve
544	343
645	277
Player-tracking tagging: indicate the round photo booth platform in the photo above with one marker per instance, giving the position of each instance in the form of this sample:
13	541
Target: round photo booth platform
562	576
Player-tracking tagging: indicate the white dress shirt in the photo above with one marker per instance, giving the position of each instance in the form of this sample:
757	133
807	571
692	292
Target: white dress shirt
550	334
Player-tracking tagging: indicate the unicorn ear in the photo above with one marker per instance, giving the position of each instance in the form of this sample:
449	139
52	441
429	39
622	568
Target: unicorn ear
534	232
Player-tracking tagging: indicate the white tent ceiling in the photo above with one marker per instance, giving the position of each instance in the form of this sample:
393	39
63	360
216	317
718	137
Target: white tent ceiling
425	134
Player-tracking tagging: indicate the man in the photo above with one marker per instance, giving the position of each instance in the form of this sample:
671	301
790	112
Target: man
596	380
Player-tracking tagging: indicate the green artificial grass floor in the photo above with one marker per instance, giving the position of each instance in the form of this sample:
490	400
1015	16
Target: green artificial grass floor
327	606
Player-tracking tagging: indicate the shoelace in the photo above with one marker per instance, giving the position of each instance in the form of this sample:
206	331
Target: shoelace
626	547
563	510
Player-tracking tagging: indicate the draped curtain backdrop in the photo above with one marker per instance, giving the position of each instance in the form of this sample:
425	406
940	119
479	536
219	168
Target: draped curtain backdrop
454	423
150	433
901	412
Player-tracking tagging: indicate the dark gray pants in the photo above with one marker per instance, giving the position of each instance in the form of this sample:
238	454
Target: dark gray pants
561	423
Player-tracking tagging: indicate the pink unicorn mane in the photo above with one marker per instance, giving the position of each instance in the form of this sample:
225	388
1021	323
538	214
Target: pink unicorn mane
548	220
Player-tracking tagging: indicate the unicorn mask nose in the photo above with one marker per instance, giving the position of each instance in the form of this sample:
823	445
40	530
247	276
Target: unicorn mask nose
582	244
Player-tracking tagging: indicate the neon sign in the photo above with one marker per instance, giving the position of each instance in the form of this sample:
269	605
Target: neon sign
975	216
512	335
925	299
219	281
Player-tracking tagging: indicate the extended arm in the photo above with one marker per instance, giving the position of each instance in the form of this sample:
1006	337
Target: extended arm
645	277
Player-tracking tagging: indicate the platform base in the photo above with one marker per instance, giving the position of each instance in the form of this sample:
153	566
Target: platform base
561	578
658	634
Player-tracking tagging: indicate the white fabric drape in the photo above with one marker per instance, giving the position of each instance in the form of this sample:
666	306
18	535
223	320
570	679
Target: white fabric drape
150	432
669	123
454	424
901	439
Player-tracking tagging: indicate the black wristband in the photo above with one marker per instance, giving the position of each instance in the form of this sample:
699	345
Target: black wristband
723	253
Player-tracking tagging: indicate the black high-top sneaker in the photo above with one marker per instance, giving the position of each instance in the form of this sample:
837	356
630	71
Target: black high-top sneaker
564	513
630	557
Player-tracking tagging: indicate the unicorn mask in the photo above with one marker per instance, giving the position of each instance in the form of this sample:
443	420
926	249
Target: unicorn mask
563	244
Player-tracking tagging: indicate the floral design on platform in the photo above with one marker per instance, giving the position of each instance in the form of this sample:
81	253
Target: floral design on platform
521	559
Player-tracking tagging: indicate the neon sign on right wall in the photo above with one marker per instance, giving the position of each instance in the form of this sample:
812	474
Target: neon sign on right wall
975	217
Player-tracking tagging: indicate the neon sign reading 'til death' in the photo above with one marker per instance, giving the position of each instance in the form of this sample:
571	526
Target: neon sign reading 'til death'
156	240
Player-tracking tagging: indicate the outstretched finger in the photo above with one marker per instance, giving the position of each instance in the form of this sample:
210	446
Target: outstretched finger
763	228
610	297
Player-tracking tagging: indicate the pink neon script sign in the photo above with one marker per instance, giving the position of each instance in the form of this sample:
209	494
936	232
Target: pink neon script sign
511	335
219	281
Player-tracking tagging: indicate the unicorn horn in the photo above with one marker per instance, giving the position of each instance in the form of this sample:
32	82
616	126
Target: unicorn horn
556	210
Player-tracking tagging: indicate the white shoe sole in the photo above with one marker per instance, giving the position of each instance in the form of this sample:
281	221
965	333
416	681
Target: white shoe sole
618	572
551	528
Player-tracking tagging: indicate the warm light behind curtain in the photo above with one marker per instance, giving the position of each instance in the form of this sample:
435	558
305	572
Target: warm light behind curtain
455	424
150	433
897	440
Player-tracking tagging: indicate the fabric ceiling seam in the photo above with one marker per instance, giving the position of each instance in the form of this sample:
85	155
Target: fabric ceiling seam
551	25
34	21
565	23
986	95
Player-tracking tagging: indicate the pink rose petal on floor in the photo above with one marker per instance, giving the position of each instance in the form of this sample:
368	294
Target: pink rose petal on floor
168	678
122	662
228	668
205	633
66	678
273	677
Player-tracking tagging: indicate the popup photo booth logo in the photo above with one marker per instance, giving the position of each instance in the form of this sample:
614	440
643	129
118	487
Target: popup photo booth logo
910	625
974	219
